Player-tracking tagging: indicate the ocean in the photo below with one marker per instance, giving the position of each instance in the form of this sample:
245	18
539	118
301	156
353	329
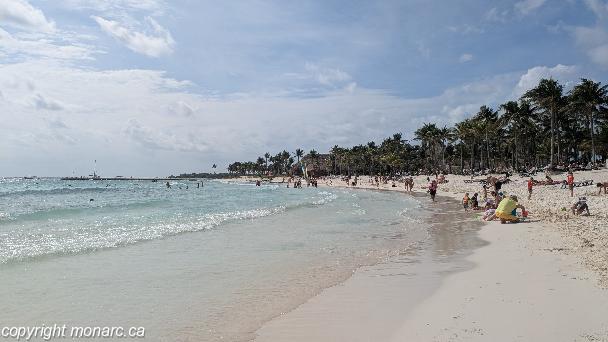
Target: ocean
187	263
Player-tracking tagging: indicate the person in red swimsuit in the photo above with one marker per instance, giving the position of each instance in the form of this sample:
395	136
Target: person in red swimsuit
570	181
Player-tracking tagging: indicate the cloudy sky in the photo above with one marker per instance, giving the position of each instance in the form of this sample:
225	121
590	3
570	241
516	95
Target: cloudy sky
154	87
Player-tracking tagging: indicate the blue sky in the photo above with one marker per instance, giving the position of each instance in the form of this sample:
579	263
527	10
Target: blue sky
153	87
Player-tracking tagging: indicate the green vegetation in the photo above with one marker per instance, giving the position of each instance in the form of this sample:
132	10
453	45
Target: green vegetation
546	126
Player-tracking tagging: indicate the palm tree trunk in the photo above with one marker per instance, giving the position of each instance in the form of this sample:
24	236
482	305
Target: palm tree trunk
461	159
472	156
592	140
488	149
552	133
516	155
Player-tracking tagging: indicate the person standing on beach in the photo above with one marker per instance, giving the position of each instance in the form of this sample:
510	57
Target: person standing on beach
497	185
465	201
530	184
570	181
433	189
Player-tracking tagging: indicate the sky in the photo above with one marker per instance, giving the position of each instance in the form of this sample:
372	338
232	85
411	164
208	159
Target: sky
158	87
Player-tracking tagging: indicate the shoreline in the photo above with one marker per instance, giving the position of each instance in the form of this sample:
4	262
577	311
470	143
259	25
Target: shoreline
422	270
548	294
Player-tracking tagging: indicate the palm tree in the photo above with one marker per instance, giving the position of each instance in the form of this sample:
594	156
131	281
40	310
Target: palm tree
511	119
299	154
313	155
441	137
487	121
260	163
338	154
548	95
266	157
590	98
466	134
429	135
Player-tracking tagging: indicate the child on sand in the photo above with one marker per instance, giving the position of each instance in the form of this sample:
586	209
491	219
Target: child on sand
475	202
530	184
465	201
570	181
433	189
489	214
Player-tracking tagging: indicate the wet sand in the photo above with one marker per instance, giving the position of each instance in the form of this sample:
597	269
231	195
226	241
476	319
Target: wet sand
498	283
372	304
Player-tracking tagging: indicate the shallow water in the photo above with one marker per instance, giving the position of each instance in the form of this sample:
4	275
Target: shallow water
200	264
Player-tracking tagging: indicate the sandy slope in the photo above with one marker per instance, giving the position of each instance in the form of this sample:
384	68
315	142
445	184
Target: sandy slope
534	281
520	291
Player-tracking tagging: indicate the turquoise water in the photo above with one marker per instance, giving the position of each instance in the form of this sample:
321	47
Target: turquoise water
187	263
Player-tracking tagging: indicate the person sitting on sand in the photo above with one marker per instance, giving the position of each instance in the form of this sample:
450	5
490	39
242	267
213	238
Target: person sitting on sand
579	206
506	209
601	185
475	202
465	201
489	214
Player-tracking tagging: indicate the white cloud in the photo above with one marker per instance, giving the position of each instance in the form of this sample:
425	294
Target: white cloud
465	57
55	123
160	139
135	128
41	102
42	47
566	74
526	7
594	41
494	14
598	7
155	44
599	55
466	29
20	14
180	108
327	76
351	87
156	7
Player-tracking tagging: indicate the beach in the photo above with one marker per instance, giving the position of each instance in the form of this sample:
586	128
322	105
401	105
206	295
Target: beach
542	280
234	261
185	262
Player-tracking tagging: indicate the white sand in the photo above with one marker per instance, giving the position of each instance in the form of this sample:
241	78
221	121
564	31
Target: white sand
519	291
533	282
